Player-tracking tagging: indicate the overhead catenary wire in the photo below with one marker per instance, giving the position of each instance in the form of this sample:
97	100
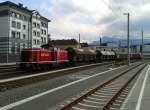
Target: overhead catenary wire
118	16
110	8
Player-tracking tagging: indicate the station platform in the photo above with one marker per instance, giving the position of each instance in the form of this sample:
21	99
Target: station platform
139	96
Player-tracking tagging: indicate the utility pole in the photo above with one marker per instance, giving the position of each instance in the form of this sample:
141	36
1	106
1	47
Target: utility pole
79	41
142	47
119	44
100	41
128	36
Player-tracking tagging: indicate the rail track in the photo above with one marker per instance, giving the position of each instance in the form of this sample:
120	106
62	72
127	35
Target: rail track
8	71
107	96
21	78
11	71
7	67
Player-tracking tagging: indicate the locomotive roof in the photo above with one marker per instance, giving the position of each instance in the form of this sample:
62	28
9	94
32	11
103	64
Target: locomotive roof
34	49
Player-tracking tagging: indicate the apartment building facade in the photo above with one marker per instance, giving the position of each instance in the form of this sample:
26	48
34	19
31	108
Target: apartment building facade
17	30
39	30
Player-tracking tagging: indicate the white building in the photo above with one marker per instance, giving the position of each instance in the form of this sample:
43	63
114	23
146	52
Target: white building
39	30
20	28
146	50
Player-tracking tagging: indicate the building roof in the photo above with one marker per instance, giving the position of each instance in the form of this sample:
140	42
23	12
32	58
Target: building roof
63	42
42	17
21	7
18	6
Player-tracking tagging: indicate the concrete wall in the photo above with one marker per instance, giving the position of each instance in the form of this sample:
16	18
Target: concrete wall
4	26
4	39
4	58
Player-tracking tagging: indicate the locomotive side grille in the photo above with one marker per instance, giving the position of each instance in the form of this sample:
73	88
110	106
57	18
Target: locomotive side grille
25	56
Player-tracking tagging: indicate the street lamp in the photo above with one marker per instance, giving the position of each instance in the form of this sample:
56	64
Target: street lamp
142	47
128	36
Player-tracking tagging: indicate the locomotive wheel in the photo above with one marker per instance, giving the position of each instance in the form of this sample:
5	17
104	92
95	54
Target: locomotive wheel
44	67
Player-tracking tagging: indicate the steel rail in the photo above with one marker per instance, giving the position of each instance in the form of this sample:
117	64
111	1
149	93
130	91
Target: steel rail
109	103
81	98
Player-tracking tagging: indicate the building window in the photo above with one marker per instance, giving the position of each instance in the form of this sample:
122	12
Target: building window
18	25
34	24
13	34
38	42
34	42
41	31
24	18
34	33
42	39
24	27
45	25
20	16
24	36
18	35
44	32
14	24
38	34
38	25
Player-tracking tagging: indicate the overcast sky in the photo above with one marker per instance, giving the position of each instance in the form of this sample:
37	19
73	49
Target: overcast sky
91	18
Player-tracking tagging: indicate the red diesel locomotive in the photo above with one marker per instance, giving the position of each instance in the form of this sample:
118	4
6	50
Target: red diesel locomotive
42	58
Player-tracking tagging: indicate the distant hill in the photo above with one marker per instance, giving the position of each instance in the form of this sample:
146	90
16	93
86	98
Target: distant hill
121	42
